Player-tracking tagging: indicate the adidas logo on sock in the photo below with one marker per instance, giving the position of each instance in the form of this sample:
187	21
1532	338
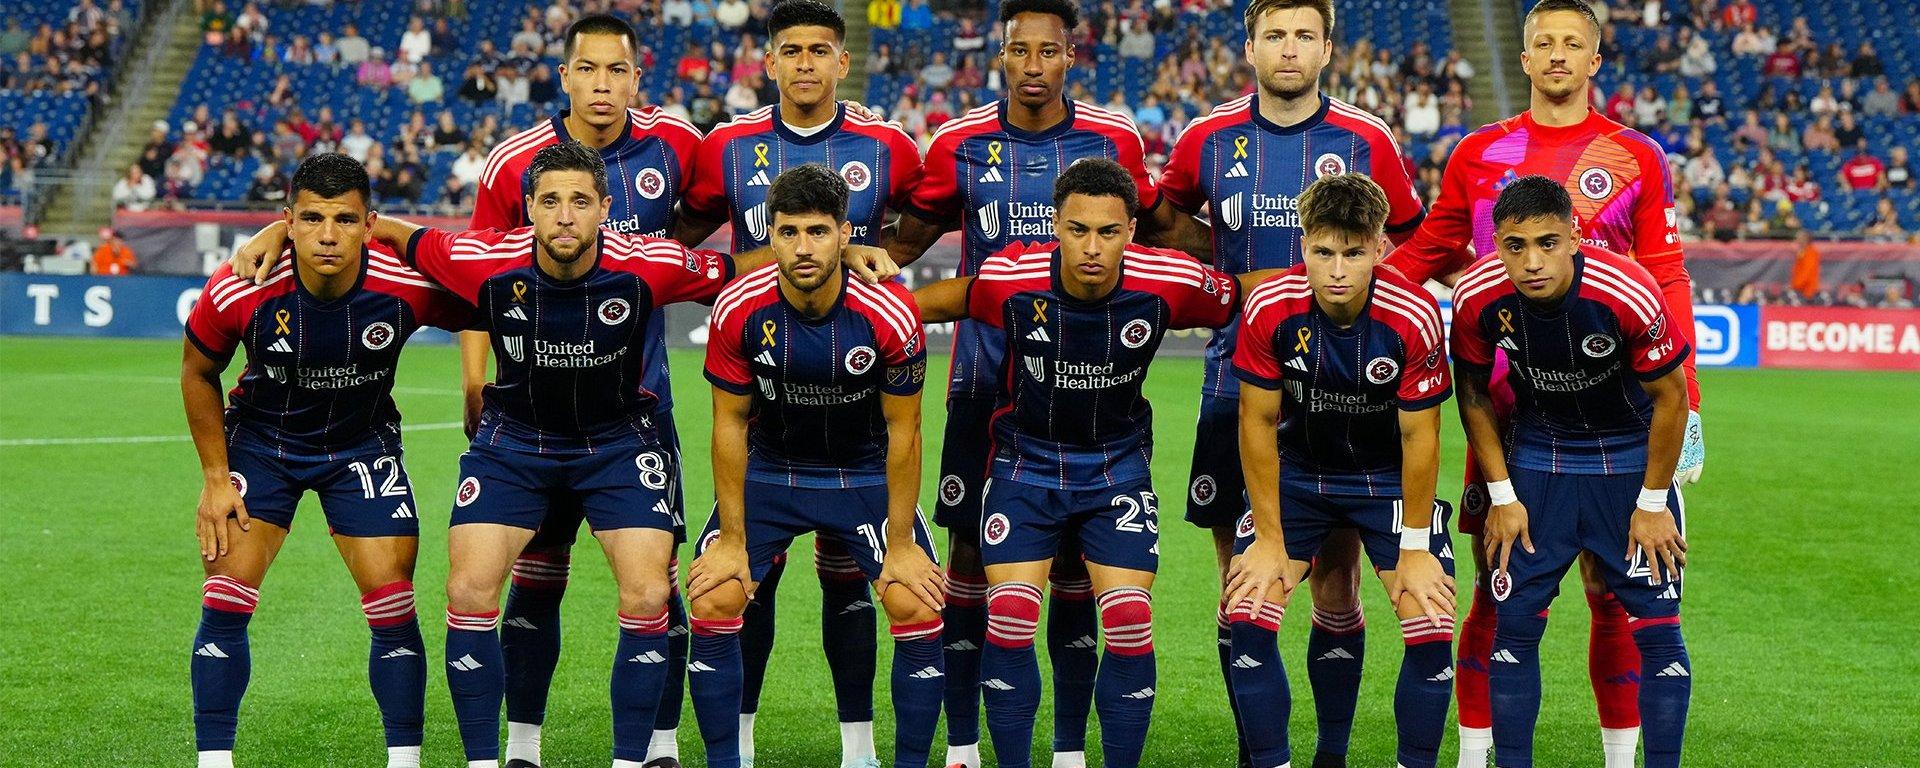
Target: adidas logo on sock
928	674
1337	653
765	358
676	631
1297	364
1505	656
1246	662
520	622
1039	334
1672	592
1444	676
758	180
210	651
465	663
700	666
1674	670
962	645
997	684
515	313
280	346
855	606
992	176
650	657
1082	642
1507	343
399	652
1224	642
1238	171
1144	693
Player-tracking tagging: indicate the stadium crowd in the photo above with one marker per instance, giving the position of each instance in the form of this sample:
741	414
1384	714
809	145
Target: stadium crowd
58	59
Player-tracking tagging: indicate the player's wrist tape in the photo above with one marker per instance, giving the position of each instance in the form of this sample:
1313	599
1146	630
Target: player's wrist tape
1416	538
1500	492
1652	500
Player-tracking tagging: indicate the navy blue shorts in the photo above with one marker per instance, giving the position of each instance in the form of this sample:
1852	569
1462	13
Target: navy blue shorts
1117	527
1569	513
856	518
362	495
620	487
1216	489
564	515
1306	518
964	453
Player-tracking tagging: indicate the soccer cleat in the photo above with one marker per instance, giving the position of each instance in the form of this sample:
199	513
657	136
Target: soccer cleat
518	763
664	762
864	762
1329	760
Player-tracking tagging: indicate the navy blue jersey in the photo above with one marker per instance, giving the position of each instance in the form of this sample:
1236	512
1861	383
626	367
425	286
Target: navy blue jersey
1249	174
996	182
740	159
816	383
1343	388
319	375
1072	416
570	353
648	169
1575	368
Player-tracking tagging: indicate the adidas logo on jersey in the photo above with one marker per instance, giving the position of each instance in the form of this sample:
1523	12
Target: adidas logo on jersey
1675	669
700	666
402	512
1337	653
992	176
465	663
1144	693
1505	656
759	180
963	645
520	622
1297	364
765	358
399	652
1506	343
1444	676
650	657
1040	334
515	313
210	651
1246	662
280	346
1238	171
1083	642
997	684
927	674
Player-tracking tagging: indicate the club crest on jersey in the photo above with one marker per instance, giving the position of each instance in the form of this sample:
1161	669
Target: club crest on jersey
860	359
613	311
997	528
1203	490
1329	164
1381	370
1232	211
1502	585
989	217
1136	333
1597	345
1245	528
858	176
757	222
377	336
650	183
469	490
1596	183
239	482
952	490
706	542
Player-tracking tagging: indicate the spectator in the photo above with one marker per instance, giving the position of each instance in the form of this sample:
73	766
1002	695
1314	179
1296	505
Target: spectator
287	147
1881	101
1421	114
883	14
282	95
676	13
477	87
1848	133
14	40
1136	42
937	75
1680	106
402	71
1866	62
1722	220
1117	103
558	15
134	191
968	39
326	52
528	37
114	257
1662	59
1697	58
299	52
1863	172
1782	63
513	86
1849	96
216	23
1894	297
374	72
232	137
1704	171
1457	67
1910	100
742	97
1802	188
1781	137
269	185
153	156
1749	42
1648	108
252	21
472	162
1806	266
448	136
1620	106
731	15
357	144
1709	106
426	88
917	17
402	186
1898	175
443	40
1818	137
353	48
881	62
1886	225
455	196
1739	14
677	104
1824	102
1151	115
416	44
542	88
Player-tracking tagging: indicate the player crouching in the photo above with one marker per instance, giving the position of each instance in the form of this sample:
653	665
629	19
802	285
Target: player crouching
816	428
1345	362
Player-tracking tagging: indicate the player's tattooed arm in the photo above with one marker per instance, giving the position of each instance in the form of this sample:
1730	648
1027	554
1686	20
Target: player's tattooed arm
1419	577
1653	530
1166	226
944	301
1255	573
725	559
221	509
1506	523
910	237
905	563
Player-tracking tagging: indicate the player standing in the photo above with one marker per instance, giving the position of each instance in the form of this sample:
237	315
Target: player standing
1248	161
1345	361
312	411
1599	415
1623	201
990	174
649	157
1082	316
817	381
737	164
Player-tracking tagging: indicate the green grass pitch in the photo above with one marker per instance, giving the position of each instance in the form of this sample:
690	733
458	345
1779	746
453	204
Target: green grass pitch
1801	633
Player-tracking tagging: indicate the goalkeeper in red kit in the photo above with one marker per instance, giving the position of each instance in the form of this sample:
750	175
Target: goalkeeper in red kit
1622	195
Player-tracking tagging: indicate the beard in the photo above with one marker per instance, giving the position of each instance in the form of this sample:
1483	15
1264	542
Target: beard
809	283
1273	87
566	255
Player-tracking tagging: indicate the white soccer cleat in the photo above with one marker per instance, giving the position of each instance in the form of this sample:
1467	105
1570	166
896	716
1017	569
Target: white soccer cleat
864	762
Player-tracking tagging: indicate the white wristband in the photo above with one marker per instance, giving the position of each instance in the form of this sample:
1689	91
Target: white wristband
1500	493
1652	500
1416	538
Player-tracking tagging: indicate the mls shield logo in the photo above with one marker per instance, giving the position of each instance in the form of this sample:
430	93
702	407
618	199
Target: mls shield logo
1596	183
989	218
515	347
1231	211
859	360
858	176
1036	367
613	311
377	336
1329	164
469	490
1382	370
952	490
757	222
1659	327
239	482
1203	490
1597	345
997	528
1136	333
650	183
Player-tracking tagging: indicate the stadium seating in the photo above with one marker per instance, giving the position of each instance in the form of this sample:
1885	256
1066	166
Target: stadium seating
65	114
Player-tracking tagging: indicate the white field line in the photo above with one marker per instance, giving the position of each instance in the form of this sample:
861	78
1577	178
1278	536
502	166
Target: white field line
123	440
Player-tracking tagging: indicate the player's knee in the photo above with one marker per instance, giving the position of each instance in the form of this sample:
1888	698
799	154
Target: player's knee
1336	586
1126	619
471	592
905	609
728	601
1419	630
715	626
963	556
1013	614
644	595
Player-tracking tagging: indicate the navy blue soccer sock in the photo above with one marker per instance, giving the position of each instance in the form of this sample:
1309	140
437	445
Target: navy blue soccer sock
919	680
673	692
1425	689
397	662
1223	643
847	630
476	678
1666	685
1125	691
714	675
530	632
1336	654
756	636
965	619
222	662
1010	671
639	670
1074	648
1513	686
1258	682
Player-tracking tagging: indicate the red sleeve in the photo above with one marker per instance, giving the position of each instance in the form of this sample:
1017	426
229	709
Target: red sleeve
1424	379
499	202
431	252
1654	346
1469	344
1440	246
903	350
987	299
218	333
937	197
726	363
904	168
684	140
706	195
1180	179
1389	170
1210	304
1253	358
1132	153
676	273
1656	245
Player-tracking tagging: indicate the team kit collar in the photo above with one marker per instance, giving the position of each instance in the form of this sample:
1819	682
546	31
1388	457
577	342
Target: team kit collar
1319	116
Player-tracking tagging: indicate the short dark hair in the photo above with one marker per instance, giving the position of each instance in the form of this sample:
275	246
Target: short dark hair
600	24
809	188
1097	177
1065	9
1554	6
1349	202
1259	8
804	13
1532	197
568	156
330	175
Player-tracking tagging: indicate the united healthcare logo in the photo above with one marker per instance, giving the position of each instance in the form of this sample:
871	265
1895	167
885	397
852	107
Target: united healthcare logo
1726	336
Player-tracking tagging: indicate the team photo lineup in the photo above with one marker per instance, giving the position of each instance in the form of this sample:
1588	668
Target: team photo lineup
1283	222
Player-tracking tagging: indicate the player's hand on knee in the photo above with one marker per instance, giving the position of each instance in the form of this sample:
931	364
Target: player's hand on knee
1657	536
221	511
1506	526
724	561
1254	574
1420	578
1693	453
911	568
256	257
871	264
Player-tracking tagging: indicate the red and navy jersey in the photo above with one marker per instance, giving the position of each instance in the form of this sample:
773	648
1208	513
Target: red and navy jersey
571	354
319	374
1343	388
1576	368
816	420
996	181
1249	174
740	159
648	169
1071	413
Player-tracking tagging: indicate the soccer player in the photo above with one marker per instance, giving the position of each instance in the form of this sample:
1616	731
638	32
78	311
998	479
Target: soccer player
1248	162
1346	362
1082	316
1599	415
649	156
816	388
989	173
312	411
737	163
1623	200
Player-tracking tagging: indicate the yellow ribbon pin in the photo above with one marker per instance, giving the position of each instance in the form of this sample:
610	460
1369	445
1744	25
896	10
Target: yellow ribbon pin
1239	147
280	319
993	153
760	155
766	333
519	292
1303	335
1039	310
1506	321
